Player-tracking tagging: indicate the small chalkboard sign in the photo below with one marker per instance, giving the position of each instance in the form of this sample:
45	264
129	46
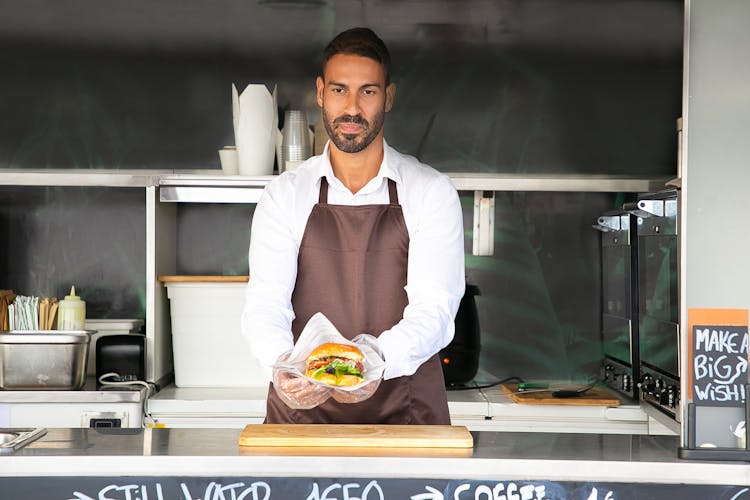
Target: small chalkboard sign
718	356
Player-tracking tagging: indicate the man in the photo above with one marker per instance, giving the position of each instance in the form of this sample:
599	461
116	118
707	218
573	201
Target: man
369	237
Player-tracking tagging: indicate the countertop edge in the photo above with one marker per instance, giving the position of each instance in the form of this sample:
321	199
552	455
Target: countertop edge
381	467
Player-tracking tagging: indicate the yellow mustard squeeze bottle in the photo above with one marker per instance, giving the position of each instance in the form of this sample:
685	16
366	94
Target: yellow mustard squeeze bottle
71	313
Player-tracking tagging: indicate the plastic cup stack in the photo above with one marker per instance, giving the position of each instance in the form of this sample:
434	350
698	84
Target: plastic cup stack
296	145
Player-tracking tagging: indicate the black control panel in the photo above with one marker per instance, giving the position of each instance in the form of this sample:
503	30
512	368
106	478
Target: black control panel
660	390
619	376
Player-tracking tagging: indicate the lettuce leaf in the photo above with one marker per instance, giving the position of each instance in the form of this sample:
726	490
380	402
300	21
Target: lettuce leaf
344	369
339	369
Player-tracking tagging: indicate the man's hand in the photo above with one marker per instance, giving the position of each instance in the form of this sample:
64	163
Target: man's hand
297	391
357	395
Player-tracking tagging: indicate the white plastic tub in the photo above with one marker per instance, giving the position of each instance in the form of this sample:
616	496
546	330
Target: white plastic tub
208	348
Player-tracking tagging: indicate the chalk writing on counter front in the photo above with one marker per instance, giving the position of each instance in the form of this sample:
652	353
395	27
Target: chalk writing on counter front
371	490
347	491
608	495
304	488
258	490
720	364
497	491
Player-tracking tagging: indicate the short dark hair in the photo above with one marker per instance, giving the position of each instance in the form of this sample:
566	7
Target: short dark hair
360	42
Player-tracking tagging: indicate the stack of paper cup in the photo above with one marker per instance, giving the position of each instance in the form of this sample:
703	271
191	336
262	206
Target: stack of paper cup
296	145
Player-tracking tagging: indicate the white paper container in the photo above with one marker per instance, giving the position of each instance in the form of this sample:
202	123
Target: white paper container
104	327
208	348
255	118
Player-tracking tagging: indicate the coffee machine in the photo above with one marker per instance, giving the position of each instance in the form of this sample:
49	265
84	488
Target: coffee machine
620	366
658	298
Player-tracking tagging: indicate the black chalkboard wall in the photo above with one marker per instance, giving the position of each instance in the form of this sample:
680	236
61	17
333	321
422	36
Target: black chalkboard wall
302	488
549	86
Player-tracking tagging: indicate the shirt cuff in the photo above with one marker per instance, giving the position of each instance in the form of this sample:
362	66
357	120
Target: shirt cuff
397	363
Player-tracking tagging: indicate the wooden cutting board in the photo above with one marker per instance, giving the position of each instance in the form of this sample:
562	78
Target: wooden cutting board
596	396
356	435
203	279
351	451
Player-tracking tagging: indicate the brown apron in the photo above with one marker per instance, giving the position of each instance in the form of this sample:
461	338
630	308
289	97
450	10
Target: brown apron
352	267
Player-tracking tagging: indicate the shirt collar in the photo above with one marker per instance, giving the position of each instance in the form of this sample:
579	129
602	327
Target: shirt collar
389	168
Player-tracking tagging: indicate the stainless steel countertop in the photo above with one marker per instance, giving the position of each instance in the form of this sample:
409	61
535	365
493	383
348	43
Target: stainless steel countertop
506	455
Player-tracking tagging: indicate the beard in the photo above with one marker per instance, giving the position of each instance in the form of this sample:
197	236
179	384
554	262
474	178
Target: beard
353	143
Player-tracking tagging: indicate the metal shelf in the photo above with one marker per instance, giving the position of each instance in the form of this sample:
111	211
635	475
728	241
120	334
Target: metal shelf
208	186
471	181
82	177
212	189
219	189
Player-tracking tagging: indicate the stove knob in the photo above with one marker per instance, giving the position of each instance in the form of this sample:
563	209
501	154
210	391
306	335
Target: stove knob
609	372
659	385
647	384
663	397
672	396
627	382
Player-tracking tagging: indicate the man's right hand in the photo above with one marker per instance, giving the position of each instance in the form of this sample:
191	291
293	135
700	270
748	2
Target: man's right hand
297	391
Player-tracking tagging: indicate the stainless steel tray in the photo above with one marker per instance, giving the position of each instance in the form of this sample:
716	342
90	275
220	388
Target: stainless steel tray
43	359
45	336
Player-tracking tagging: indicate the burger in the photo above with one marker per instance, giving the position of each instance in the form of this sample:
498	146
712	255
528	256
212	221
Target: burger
336	364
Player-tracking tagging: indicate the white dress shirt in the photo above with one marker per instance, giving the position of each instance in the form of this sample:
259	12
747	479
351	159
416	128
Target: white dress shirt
435	275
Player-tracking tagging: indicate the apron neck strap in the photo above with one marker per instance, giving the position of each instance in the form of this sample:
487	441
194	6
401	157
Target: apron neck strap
392	192
323	196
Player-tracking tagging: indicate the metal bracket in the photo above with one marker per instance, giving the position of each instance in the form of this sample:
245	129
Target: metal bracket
657	217
653	208
484	223
608	223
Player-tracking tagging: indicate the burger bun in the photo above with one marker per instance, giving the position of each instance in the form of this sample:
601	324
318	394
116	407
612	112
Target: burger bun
331	349
326	378
348	380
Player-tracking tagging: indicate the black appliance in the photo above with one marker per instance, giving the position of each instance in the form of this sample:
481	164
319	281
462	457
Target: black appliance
460	358
658	298
620	366
123	354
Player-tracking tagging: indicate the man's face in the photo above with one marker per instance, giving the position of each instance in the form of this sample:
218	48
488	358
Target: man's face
354	99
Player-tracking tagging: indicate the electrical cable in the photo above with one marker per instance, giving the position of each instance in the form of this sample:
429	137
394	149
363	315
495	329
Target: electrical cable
102	380
150	387
485	386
